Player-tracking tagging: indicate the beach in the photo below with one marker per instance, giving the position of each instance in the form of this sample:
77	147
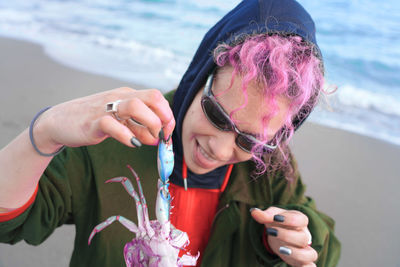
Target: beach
353	178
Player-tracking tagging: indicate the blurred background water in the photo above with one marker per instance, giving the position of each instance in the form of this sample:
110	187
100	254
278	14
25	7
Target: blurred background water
151	43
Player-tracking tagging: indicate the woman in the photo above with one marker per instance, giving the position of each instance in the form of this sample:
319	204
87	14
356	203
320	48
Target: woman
253	81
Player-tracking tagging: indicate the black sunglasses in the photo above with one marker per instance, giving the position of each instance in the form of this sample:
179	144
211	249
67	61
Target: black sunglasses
218	117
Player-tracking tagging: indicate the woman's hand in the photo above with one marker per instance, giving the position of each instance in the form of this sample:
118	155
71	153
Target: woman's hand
84	121
288	235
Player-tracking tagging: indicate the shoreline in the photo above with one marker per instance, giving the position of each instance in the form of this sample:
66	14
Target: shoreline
353	178
376	128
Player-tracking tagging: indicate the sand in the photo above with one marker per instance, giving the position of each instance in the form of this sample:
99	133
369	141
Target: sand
354	179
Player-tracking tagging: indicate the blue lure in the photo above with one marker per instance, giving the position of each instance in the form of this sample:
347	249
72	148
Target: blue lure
165	165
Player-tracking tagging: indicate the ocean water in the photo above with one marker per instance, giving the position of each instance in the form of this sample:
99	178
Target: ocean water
151	43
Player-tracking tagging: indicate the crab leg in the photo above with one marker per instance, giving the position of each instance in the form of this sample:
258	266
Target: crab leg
124	221
131	191
145	212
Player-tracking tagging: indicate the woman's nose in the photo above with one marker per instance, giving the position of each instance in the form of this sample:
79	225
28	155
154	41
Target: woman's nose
223	145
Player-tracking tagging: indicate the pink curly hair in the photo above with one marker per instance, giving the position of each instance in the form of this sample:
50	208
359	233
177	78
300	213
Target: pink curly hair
282	66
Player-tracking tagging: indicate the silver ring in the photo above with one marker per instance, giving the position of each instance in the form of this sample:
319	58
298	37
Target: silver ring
112	107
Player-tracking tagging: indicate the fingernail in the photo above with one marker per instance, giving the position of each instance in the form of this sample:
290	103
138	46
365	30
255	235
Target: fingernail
279	218
285	251
135	142
309	239
271	231
161	135
251	210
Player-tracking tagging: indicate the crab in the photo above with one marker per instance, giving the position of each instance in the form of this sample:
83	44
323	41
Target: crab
157	242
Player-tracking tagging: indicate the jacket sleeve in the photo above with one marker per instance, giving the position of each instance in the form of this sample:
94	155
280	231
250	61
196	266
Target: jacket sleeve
53	204
290	196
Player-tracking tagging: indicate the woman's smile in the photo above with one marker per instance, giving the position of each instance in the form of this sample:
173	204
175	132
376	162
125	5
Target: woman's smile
202	157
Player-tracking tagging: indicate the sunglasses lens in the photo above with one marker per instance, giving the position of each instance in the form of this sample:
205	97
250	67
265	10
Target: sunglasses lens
244	143
215	115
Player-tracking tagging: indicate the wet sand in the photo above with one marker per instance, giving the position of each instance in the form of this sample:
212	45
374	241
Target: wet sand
354	179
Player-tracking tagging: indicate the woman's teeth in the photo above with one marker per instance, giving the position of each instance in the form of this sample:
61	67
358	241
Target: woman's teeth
204	153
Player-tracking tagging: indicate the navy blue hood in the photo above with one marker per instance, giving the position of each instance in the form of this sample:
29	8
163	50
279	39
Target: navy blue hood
285	17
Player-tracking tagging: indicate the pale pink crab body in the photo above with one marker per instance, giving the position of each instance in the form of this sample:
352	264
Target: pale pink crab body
160	250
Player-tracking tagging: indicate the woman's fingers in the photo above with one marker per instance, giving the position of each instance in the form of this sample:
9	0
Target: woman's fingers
157	102
288	235
144	118
148	110
141	132
295	256
108	126
289	226
297	238
291	219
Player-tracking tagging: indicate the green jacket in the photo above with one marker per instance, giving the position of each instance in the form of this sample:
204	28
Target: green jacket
72	191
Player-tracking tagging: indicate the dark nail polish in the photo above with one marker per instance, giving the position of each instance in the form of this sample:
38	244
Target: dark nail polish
285	251
279	218
253	209
272	232
161	135
136	142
